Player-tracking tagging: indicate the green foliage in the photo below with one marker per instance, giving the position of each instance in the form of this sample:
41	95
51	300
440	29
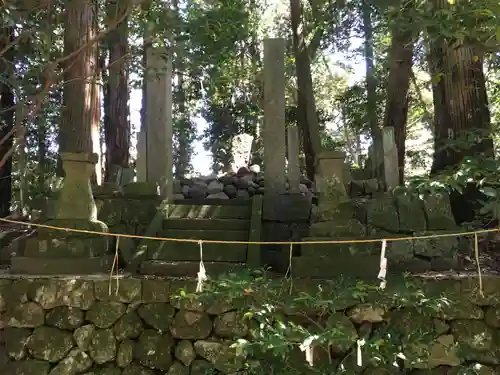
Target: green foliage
281	319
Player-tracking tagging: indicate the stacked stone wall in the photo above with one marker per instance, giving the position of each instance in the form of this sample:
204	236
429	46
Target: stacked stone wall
70	326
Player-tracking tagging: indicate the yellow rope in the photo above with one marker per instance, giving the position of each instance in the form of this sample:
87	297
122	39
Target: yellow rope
115	264
191	240
476	255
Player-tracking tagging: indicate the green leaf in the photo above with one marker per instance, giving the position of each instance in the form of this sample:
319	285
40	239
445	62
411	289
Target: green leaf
488	191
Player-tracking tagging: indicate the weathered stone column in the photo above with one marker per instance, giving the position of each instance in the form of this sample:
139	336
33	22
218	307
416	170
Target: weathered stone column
391	167
293	158
158	120
141	162
75	201
273	134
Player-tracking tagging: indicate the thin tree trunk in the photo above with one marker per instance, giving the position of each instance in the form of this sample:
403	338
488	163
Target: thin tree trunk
306	105
78	114
371	93
7	104
117	130
398	83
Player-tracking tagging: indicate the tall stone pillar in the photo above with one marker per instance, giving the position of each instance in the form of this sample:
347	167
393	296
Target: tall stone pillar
273	134
156	140
391	167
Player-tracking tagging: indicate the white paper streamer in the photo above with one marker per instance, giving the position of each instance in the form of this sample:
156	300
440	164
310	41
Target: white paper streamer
308	348
383	266
202	274
359	355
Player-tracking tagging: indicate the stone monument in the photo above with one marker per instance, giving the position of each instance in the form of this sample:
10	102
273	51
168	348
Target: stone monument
53	251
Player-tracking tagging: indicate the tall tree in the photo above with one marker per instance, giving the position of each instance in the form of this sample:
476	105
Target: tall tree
117	128
398	82
7	104
306	105
80	63
460	99
371	90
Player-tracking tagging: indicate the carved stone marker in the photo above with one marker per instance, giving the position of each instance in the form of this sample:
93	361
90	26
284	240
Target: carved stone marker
329	167
391	168
154	144
273	134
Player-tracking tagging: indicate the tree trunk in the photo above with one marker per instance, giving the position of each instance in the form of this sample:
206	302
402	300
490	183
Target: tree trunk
371	93
460	101
117	130
6	121
78	114
398	83
306	105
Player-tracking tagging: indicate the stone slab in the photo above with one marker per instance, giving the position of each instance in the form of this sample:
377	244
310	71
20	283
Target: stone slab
207	224
209	211
359	266
180	269
61	266
182	251
211	235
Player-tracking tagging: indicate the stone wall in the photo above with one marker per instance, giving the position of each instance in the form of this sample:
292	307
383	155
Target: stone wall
68	326
389	216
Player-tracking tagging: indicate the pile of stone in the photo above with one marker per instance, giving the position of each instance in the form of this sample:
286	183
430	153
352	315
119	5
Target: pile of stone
245	183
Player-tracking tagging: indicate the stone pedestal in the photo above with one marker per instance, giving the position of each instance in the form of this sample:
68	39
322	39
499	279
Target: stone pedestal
330	171
75	208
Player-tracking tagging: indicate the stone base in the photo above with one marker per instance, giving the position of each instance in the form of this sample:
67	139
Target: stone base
61	266
287	207
54	243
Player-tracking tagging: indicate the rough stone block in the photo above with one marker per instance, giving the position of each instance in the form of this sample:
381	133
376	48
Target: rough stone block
188	251
359	266
140	189
382	213
444	247
411	214
51	293
126	290
287	207
438	211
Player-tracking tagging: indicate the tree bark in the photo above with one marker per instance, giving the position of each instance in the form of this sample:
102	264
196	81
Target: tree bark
398	83
78	113
117	129
307	117
371	93
7	110
460	101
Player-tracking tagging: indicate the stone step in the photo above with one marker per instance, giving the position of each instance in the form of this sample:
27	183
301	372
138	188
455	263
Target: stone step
325	249
354	266
209	211
207	224
61	266
182	269
212	235
188	251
